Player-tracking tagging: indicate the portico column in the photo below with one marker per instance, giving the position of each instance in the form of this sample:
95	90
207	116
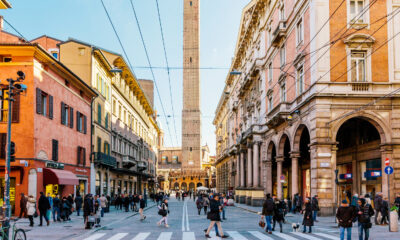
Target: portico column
295	173
237	177
242	168
279	161
256	165
249	167
268	169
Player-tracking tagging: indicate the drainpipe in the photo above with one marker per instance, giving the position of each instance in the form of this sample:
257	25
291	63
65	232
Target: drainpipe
92	170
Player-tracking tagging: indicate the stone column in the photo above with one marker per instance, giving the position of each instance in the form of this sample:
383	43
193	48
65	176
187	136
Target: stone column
295	173
268	169
249	167
242	168
237	177
256	165
279	161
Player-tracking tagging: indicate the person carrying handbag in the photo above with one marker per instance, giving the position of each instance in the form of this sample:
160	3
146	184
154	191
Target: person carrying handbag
31	209
364	214
215	217
163	211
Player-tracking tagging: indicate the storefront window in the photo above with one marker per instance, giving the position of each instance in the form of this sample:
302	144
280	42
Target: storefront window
371	177
98	180
105	184
12	193
112	187
119	186
125	187
81	188
130	187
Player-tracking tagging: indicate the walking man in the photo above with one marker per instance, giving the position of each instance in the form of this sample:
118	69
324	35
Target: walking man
103	204
268	212
364	214
315	207
56	208
345	215
44	206
78	204
142	205
22	205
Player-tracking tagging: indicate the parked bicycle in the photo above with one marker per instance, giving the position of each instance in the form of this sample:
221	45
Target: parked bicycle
16	233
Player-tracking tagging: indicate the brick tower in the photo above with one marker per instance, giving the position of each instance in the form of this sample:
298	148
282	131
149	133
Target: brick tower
191	120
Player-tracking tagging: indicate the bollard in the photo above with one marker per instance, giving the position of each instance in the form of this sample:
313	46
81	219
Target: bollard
394	221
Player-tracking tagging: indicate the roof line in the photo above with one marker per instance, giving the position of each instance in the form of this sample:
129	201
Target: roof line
44	35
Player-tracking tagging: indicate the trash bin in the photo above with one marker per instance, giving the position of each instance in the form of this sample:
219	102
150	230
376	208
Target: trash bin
394	221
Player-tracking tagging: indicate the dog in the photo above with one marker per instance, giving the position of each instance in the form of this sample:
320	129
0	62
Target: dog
295	227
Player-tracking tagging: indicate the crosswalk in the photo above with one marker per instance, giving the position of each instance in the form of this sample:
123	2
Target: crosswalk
235	235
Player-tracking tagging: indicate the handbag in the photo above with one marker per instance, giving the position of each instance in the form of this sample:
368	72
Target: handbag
368	225
261	224
35	215
91	219
162	212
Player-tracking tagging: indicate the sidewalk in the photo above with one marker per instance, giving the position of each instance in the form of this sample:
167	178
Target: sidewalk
75	227
328	224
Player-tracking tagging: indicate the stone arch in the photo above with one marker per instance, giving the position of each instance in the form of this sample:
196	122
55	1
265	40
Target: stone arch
176	186
184	186
297	135
280	150
375	120
191	186
199	184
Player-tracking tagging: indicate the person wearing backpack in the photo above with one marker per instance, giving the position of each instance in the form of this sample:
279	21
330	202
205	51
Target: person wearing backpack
268	212
278	214
199	204
364	214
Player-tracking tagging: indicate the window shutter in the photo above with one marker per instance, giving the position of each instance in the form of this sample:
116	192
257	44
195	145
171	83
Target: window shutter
62	113
50	107
78	123
84	124
3	141
38	101
15	109
55	150
79	155
71	117
83	156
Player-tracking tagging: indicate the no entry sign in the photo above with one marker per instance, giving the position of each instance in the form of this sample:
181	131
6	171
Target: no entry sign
387	162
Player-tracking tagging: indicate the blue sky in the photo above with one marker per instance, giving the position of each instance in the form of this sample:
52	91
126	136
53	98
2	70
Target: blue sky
87	21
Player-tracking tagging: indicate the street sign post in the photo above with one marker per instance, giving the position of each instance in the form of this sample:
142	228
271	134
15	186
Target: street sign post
388	171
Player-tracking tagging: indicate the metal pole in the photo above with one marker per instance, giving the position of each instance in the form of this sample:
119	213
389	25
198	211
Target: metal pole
388	184
7	206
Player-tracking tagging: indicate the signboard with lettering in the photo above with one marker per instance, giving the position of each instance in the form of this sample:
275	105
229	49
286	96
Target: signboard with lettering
346	176
55	165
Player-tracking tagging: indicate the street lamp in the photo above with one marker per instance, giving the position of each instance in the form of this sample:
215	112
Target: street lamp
15	87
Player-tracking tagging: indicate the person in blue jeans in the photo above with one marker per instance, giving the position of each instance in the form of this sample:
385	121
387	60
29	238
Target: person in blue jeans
268	212
345	215
315	207
364	214
56	208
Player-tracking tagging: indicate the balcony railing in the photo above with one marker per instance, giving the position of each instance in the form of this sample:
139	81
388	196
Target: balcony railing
142	165
279	33
104	159
128	161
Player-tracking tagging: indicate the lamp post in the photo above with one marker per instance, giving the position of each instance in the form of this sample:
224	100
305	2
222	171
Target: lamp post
12	84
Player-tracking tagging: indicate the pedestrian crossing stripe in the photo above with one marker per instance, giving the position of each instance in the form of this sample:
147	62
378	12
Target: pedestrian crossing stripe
235	235
327	236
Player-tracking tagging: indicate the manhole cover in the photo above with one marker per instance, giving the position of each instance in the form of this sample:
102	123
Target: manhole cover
67	226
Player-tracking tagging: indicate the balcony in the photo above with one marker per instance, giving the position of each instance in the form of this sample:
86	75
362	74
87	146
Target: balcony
279	33
128	161
142	165
104	159
360	86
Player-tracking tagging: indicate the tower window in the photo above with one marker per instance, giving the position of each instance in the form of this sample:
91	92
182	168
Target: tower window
190	59
191	3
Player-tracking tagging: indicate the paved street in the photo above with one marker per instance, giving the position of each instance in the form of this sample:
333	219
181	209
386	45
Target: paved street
186	224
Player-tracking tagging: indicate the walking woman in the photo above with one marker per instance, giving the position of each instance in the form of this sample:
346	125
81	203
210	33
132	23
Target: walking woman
164	213
308	216
31	209
215	217
199	204
206	202
278	214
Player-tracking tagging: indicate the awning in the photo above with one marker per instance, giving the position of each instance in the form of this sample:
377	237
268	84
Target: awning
61	177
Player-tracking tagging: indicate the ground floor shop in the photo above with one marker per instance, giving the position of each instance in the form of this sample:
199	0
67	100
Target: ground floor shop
31	177
318	152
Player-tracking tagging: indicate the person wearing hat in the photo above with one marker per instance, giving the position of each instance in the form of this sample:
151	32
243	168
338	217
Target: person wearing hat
345	215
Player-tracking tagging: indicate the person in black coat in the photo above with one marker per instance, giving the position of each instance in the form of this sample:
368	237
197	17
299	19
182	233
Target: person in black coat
142	205
278	214
364	214
87	209
308	216
397	204
78	204
44	206
345	215
215	217
268	212
315	207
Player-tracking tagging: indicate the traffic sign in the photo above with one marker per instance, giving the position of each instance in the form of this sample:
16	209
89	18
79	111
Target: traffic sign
387	162
282	177
388	170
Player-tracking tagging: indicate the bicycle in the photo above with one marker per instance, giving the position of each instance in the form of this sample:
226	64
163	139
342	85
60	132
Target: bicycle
17	233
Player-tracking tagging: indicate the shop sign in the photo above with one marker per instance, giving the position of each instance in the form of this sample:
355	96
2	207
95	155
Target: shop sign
55	165
372	174
325	164
80	170
346	176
